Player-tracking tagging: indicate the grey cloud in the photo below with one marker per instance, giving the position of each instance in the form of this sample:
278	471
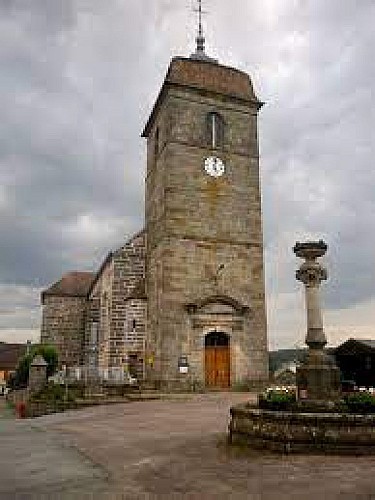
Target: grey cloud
67	138
20	306
79	78
318	148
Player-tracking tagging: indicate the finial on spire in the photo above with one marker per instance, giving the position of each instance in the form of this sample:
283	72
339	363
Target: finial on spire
200	39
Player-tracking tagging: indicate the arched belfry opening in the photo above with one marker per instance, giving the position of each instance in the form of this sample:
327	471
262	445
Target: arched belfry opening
217	360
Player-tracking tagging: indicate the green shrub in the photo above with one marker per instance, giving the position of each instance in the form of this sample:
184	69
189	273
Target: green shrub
21	377
360	402
277	400
53	393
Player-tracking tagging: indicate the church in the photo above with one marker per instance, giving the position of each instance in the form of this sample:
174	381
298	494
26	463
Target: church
182	303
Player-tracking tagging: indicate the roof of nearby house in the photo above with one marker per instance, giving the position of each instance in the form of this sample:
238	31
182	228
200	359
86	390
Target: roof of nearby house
139	290
72	284
10	354
367	344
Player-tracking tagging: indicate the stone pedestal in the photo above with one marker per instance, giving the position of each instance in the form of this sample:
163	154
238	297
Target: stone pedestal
318	378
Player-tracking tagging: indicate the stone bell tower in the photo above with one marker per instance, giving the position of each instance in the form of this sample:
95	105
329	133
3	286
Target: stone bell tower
206	321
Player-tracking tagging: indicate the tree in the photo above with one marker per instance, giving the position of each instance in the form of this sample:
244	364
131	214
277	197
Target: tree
21	376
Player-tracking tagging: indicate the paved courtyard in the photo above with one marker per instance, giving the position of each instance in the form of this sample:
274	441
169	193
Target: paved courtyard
162	449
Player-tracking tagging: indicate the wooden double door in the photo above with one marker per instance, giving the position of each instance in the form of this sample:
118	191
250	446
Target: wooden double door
217	360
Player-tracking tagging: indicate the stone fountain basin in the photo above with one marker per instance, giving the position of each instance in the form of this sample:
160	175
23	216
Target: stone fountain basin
299	432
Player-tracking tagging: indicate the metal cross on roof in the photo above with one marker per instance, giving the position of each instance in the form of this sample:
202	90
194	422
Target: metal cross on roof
200	40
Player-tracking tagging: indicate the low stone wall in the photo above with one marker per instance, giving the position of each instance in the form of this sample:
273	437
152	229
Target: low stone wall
302	432
119	390
105	389
80	396
39	408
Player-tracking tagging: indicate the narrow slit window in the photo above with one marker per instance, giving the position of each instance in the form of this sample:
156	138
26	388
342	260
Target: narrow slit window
156	142
215	130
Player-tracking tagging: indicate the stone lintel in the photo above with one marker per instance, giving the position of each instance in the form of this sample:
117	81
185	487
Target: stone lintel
232	304
201	321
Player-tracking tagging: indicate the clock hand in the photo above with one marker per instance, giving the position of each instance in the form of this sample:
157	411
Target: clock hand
215	165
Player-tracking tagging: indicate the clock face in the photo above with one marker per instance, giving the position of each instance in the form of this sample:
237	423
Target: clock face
214	166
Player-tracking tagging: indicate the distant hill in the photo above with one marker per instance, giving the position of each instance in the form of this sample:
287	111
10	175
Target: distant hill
278	358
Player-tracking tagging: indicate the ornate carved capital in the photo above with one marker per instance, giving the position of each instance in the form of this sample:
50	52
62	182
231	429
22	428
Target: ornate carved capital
311	274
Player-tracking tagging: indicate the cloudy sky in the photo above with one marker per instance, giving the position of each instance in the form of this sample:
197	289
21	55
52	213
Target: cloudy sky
78	79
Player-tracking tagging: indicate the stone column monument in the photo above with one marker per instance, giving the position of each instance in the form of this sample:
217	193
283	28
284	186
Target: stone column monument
318	378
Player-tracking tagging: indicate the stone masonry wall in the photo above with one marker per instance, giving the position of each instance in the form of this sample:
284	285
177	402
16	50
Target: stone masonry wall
135	328
113	310
196	223
100	309
63	325
129	270
303	432
91	351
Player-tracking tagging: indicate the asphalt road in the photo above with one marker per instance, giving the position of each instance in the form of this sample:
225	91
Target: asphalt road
173	448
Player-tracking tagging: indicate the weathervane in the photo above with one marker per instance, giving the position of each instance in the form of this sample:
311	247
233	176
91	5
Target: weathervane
200	39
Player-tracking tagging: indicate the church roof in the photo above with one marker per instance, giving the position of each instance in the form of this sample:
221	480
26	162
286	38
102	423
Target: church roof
206	76
210	76
135	238
72	284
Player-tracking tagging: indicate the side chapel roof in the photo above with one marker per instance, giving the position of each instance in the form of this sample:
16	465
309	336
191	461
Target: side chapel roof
72	284
133	239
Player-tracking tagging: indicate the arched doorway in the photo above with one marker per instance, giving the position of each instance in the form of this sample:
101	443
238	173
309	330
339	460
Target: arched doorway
217	360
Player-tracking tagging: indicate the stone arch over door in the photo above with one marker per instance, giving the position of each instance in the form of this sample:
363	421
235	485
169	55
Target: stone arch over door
217	360
207	316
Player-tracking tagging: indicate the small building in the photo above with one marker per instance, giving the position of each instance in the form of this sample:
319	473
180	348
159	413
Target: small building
9	357
64	316
356	360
